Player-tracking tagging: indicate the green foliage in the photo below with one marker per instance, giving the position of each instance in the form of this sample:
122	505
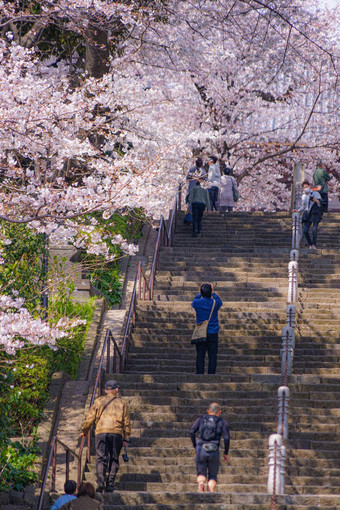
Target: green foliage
16	464
70	349
105	276
24	391
23	270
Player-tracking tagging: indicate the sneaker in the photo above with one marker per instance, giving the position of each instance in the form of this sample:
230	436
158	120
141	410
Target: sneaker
100	487
313	247
109	488
310	246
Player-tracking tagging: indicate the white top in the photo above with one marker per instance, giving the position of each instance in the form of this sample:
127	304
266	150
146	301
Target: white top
214	175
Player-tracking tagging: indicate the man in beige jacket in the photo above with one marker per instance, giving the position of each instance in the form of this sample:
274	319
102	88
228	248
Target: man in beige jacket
113	429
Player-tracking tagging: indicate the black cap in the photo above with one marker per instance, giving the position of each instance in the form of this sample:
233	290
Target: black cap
111	385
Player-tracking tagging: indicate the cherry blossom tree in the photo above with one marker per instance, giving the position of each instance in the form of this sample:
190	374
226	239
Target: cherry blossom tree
106	103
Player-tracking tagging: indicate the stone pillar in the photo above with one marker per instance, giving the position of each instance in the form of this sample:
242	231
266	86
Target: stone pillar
282	424
293	282
274	473
291	314
287	351
282	470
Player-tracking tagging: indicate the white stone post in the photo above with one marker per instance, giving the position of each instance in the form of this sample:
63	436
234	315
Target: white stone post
274	472
291	314
282	423
296	230
293	281
282	470
287	352
294	255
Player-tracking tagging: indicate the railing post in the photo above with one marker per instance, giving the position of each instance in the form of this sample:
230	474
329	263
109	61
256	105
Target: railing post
67	465
283	397
282	470
294	255
287	351
54	465
291	314
139	282
274	478
79	467
144	288
293	282
108	355
114	358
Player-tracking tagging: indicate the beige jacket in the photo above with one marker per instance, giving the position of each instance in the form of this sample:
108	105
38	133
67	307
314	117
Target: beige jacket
114	419
83	503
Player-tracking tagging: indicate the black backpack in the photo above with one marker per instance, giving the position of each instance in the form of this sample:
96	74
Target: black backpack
208	428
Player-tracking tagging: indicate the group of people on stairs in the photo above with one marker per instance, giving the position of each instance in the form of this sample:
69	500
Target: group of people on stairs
209	189
110	412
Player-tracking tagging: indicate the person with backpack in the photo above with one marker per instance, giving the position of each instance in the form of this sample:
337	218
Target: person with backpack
195	173
228	191
113	429
210	428
321	178
206	305
311	210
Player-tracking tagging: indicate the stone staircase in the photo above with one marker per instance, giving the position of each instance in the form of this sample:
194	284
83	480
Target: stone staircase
245	256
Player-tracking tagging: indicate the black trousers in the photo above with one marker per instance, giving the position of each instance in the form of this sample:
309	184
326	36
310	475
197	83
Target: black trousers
213	195
324	197
306	228
211	345
108	447
197	215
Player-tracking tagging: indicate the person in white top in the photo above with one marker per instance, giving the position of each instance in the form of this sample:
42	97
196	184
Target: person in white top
214	179
226	199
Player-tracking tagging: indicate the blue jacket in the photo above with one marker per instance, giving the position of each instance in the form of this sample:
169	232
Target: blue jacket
202	306
62	501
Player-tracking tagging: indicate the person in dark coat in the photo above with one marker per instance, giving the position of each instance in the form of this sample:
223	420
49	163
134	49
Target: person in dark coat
199	201
209	428
321	178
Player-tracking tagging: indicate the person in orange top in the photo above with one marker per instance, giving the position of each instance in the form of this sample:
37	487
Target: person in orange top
113	430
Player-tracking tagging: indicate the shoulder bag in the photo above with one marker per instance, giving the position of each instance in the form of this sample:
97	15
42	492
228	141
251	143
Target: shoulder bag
236	194
200	332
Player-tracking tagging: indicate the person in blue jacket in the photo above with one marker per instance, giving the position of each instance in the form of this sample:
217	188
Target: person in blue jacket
202	305
69	488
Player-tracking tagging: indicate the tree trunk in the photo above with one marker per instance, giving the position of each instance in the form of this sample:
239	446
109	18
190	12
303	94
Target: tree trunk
97	51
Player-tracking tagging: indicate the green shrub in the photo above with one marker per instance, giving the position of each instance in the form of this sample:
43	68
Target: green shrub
17	463
105	275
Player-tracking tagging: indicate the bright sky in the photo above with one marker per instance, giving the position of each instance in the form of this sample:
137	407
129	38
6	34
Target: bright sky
331	3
